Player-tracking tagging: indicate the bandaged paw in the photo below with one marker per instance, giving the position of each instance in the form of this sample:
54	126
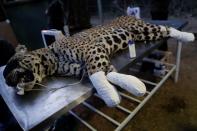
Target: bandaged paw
182	36
105	90
127	82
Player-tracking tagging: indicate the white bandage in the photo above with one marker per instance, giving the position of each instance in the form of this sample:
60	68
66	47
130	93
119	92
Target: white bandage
20	90
182	36
105	90
127	82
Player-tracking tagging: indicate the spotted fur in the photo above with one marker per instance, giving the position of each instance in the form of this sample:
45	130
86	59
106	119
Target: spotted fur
88	50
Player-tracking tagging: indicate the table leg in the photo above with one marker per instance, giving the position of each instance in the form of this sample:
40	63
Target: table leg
178	60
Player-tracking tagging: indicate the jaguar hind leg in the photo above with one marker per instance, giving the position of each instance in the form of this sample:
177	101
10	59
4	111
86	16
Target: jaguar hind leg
150	32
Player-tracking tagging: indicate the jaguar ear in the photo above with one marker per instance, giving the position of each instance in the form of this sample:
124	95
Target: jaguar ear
21	49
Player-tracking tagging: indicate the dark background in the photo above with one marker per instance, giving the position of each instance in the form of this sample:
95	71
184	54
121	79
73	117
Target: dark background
28	18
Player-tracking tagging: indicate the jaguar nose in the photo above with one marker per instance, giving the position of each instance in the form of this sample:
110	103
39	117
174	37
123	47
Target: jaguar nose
11	82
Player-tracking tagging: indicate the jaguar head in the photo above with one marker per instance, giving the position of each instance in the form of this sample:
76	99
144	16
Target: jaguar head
19	72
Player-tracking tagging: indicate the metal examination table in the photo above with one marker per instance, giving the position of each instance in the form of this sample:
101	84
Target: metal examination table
37	109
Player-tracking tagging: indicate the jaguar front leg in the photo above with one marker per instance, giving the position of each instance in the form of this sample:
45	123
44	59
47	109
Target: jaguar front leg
97	64
127	82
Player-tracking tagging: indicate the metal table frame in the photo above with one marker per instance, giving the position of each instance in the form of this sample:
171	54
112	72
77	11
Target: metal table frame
175	68
131	113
